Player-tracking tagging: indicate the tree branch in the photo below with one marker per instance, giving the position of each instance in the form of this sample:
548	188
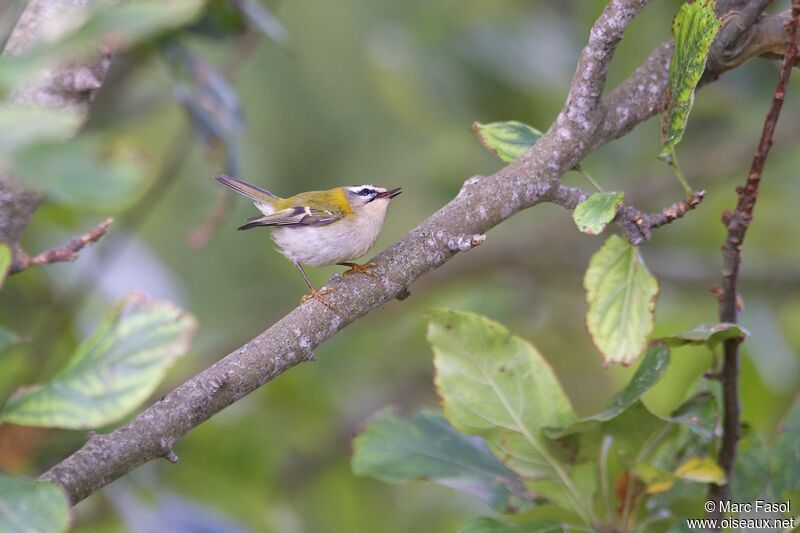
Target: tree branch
587	122
737	223
63	253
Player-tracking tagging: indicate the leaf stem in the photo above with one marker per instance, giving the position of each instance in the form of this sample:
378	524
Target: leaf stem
673	162
591	180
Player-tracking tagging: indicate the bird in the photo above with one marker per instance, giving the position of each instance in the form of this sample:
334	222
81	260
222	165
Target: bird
320	228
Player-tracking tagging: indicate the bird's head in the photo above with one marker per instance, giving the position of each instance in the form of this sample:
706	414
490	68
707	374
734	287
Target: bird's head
369	198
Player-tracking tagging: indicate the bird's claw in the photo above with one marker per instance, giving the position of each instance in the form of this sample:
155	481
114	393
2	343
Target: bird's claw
355	268
319	295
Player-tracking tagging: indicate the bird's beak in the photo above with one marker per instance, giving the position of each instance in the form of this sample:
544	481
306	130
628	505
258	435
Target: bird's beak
389	194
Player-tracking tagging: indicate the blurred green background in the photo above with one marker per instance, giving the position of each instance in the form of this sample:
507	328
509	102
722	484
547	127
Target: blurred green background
384	92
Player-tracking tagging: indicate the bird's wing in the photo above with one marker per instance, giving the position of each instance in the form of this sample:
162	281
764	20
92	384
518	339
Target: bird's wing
296	216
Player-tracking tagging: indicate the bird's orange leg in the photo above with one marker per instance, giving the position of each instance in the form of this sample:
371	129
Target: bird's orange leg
315	294
355	268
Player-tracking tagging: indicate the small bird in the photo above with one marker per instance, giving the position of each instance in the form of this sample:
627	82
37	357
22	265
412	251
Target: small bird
320	228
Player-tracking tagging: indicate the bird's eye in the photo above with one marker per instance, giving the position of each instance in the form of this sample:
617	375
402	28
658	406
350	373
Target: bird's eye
365	192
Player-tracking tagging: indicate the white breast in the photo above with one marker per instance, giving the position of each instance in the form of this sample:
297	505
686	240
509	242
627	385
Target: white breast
344	240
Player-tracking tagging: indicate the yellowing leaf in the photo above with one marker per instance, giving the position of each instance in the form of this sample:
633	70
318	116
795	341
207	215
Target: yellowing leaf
111	372
506	140
593	214
702	470
693	31
655	479
621	294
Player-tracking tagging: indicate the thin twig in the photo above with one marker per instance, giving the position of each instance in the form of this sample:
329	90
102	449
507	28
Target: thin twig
60	254
638	226
737	224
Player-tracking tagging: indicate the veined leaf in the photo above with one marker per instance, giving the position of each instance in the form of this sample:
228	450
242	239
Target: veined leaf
701	470
693	31
484	524
710	334
593	214
621	294
28	505
496	385
5	261
394	449
111	372
506	140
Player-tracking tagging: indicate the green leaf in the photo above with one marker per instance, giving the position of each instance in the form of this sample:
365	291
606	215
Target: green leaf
593	214
693	31
701	470
82	173
484	524
497	385
395	449
111	372
28	505
621	294
632	431
710	334
5	262
506	140
584	479
699	414
786	453
20	126
649	372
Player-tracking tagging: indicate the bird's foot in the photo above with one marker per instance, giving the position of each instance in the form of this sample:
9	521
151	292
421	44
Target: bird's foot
355	268
319	295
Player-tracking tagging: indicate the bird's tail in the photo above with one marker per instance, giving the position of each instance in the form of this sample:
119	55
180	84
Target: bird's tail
257	194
